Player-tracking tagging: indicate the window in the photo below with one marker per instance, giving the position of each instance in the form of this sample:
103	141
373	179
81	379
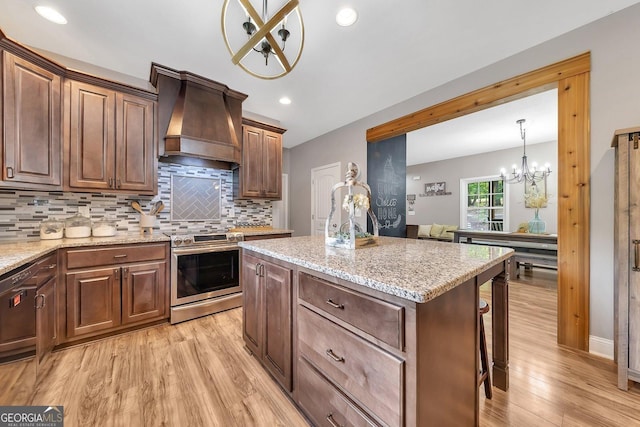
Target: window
483	204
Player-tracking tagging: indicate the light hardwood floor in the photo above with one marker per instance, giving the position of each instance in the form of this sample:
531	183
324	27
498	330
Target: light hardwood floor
198	374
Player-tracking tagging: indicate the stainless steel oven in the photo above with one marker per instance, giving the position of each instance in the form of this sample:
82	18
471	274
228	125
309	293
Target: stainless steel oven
205	274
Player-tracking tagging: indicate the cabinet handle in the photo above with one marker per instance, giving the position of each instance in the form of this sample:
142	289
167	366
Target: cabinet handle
125	271
636	255
120	256
48	267
258	269
333	422
118	183
334	305
116	273
10	172
110	182
335	357
43	301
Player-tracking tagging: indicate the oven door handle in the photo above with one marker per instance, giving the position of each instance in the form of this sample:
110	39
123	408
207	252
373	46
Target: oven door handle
204	249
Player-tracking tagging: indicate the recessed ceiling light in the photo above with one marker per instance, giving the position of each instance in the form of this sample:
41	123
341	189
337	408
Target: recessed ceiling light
51	14
346	17
285	100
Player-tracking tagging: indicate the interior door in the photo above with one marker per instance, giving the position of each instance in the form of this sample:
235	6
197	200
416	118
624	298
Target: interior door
323	179
281	207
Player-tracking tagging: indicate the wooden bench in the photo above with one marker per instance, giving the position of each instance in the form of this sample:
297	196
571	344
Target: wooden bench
530	249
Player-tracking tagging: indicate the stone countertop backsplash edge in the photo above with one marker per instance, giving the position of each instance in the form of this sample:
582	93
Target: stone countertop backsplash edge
16	254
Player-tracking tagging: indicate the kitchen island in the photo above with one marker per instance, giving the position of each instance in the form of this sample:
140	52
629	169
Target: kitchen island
380	335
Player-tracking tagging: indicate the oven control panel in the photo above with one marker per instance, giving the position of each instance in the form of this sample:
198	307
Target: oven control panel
186	240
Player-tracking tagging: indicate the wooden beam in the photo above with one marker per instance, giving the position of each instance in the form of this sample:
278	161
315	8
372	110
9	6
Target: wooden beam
574	173
507	90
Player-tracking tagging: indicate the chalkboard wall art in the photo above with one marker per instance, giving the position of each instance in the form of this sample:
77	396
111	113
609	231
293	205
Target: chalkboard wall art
386	175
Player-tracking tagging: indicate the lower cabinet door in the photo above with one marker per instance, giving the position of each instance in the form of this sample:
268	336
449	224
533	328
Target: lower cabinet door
144	288
45	319
323	403
93	301
251	306
277	323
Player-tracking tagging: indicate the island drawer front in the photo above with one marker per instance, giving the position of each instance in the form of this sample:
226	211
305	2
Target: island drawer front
371	375
82	258
378	318
323	403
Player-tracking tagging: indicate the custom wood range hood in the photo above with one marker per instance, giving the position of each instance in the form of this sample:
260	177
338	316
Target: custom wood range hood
199	120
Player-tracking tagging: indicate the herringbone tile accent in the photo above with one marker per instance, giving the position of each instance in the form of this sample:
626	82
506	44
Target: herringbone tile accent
195	198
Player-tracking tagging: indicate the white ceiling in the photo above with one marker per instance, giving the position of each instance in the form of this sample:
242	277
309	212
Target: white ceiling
487	130
393	52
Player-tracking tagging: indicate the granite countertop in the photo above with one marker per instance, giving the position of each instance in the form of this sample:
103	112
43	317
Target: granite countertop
416	270
16	254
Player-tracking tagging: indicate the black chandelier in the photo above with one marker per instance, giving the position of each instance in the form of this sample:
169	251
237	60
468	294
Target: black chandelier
524	173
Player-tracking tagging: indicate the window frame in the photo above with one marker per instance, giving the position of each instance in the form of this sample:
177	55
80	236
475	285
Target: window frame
464	197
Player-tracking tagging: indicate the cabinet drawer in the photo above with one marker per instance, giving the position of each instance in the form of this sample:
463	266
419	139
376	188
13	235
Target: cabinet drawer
81	258
323	403
368	373
47	268
378	318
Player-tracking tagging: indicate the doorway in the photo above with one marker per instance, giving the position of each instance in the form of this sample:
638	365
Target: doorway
323	178
571	78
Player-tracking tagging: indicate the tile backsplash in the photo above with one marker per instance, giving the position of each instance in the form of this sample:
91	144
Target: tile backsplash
22	211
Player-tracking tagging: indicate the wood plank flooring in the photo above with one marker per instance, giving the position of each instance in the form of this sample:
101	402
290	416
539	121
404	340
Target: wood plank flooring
197	373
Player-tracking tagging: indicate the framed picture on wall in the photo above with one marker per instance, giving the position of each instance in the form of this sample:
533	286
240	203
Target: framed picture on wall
535	194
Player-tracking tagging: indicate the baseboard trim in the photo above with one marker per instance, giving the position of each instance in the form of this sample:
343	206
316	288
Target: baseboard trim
601	347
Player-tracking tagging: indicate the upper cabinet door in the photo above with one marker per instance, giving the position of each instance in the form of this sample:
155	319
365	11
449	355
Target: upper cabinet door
252	161
272	167
32	115
92	137
135	155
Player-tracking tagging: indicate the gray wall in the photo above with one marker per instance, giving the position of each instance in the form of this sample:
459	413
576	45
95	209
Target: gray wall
446	209
615	87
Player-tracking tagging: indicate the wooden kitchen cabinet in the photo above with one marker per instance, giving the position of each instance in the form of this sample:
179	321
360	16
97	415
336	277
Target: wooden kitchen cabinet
113	288
46	319
626	254
267	300
260	174
31	141
45	304
93	301
143	293
111	140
